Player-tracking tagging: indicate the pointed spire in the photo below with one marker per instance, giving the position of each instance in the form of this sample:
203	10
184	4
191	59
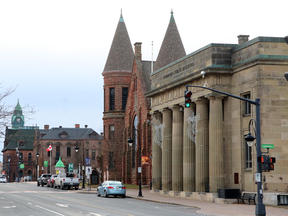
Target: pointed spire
172	47
121	17
121	53
18	107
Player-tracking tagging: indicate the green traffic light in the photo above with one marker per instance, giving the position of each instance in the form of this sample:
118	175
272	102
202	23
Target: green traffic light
187	105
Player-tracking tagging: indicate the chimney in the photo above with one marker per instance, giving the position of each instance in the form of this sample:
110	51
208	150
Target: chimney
243	38
46	127
77	125
137	48
101	133
60	126
86	126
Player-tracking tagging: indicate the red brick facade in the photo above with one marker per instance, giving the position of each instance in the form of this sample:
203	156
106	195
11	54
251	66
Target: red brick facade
137	105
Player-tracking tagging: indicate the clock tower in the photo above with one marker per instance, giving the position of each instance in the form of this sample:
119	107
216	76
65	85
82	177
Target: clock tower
17	118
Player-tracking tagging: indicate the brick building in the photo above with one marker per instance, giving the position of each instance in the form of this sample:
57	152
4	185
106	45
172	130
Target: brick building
63	142
117	75
137	122
20	137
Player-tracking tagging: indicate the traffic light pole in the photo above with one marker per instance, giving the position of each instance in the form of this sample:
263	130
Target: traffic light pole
260	207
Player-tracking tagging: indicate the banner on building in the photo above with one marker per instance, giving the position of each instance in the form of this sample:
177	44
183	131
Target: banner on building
144	161
45	163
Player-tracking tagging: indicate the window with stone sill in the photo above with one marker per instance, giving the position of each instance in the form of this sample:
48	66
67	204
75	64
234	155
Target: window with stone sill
247	105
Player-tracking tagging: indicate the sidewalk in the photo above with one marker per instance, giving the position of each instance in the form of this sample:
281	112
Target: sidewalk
204	207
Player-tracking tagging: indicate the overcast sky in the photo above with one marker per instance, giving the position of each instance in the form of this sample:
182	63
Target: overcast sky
55	51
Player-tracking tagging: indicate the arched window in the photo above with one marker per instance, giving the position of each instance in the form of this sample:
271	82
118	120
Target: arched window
29	173
134	146
29	157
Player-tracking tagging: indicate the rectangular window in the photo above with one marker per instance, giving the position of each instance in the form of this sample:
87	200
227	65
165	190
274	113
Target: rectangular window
111	132
236	178
68	151
111	163
104	100
112	99
124	97
248	155
93	154
57	152
247	105
87	153
21	143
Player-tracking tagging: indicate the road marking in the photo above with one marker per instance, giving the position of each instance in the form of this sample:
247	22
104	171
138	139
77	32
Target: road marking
29	203
62	205
49	210
97	214
9	207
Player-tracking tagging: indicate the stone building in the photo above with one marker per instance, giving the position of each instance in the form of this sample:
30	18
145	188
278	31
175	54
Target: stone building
202	148
20	137
117	75
63	142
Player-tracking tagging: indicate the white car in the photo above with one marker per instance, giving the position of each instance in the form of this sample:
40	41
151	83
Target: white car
3	179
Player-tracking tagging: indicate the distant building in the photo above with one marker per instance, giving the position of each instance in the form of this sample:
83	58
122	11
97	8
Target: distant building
63	142
20	137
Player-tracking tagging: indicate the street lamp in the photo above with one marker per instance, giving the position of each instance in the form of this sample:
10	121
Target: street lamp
37	154
260	207
83	180
18	169
130	142
286	74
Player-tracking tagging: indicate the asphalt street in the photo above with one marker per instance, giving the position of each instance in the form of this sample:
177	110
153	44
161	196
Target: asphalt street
28	199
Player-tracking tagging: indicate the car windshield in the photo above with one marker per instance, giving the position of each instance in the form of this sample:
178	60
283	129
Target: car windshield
2	177
46	176
115	183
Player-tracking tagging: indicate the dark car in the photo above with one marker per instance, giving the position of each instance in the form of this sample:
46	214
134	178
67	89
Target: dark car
115	188
50	181
42	180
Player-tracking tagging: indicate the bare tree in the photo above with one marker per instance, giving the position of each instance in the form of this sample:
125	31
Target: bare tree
6	110
112	154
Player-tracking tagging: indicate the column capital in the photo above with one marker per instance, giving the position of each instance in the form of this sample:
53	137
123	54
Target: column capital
165	109
200	100
215	97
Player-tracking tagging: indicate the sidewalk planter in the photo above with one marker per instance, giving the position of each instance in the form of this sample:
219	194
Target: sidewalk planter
228	193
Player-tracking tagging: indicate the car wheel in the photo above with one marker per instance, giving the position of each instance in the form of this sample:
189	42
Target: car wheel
42	185
76	188
115	196
105	194
123	196
98	193
38	184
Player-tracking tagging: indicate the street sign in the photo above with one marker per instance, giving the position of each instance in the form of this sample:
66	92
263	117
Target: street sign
271	146
88	170
45	163
257	177
139	169
21	166
87	161
70	167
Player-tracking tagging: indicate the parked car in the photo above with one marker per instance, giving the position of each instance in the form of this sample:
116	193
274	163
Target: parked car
50	181
66	180
3	179
115	188
42	180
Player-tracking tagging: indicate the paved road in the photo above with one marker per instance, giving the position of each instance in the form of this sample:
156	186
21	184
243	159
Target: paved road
28	199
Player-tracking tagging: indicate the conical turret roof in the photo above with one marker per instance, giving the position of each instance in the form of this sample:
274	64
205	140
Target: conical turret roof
18	107
59	164
121	54
172	47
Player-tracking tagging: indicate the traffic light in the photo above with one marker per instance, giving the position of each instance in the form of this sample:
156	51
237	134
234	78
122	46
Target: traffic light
271	161
267	163
188	95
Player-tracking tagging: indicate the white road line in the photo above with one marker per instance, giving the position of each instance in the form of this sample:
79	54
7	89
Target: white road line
29	203
62	205
49	210
97	214
9	207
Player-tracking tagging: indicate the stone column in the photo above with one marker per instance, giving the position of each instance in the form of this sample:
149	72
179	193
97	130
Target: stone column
216	147
188	150
202	146
177	149
167	150
156	151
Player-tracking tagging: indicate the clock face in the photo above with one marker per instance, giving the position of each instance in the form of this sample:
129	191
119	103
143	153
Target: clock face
18	119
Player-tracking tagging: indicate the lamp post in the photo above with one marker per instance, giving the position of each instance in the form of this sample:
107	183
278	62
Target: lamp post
260	207
130	141
18	169
37	154
83	180
8	168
